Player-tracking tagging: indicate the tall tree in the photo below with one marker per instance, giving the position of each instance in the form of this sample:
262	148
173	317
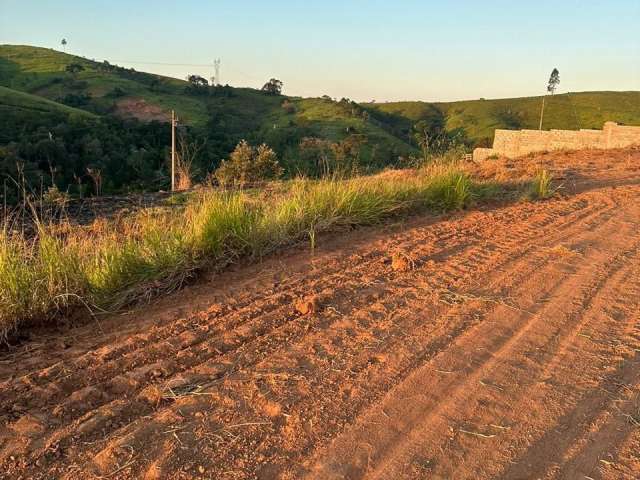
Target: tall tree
197	81
64	44
273	87
554	81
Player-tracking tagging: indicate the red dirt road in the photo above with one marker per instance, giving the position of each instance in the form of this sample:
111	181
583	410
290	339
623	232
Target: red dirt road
510	350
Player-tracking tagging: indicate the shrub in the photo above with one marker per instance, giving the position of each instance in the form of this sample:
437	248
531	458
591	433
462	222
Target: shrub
55	198
248	164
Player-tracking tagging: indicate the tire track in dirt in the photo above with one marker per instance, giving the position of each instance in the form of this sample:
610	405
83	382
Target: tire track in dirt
188	343
280	387
424	379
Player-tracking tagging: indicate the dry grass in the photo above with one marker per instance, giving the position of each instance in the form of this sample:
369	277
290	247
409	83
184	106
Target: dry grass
111	264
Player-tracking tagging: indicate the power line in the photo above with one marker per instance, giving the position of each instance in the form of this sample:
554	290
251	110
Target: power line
206	65
164	63
216	66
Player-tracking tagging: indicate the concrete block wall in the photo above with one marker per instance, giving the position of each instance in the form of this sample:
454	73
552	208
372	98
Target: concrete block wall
516	143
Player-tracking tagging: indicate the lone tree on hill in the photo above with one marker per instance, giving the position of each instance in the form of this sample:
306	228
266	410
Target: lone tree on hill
197	81
554	81
64	45
197	85
273	87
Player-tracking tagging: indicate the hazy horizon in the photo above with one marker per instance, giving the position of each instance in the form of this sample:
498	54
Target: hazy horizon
361	50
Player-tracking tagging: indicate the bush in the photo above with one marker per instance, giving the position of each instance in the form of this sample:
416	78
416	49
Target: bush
248	164
55	198
73	100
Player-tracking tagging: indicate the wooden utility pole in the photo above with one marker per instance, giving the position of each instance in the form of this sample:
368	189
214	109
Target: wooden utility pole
542	111
173	150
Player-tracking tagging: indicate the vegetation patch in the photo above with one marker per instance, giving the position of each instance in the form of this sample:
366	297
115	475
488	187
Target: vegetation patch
111	264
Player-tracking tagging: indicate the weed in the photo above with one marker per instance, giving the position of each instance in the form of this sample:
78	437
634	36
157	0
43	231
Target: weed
541	186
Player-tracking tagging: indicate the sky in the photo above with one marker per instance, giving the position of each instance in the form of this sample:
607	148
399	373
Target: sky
383	50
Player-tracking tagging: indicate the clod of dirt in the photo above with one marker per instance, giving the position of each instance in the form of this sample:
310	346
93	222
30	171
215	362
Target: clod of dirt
307	306
151	394
400	262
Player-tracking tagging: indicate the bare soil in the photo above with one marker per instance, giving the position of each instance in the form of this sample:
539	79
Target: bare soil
508	348
140	109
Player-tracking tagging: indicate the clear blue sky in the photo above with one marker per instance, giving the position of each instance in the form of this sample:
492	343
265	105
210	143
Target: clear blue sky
361	49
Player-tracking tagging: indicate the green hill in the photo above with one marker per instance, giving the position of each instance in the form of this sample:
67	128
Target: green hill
62	114
479	118
20	111
10	98
42	72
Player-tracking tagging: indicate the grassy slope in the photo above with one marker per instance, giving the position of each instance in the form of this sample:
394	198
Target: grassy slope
10	98
563	111
19	110
34	70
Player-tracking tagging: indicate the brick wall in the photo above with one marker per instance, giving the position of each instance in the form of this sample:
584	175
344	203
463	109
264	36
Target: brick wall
516	143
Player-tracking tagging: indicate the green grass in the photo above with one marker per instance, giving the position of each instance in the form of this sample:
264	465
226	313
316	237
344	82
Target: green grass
13	99
112	264
570	111
541	187
38	71
248	113
19	110
329	120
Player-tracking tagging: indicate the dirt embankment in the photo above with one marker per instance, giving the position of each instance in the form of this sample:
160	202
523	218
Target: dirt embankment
507	346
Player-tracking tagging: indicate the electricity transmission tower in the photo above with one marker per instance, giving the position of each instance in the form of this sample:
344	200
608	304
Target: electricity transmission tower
216	66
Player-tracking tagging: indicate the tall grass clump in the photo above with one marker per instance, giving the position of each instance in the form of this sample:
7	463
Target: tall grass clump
153	255
541	185
38	278
122	261
223	225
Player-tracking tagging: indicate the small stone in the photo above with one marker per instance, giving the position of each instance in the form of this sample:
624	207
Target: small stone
401	263
201	469
307	306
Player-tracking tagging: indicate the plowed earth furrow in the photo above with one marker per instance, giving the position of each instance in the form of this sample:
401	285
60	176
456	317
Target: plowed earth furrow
510	350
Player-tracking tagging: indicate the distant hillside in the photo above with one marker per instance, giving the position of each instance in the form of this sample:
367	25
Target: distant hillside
114	90
19	110
479	118
62	114
15	99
